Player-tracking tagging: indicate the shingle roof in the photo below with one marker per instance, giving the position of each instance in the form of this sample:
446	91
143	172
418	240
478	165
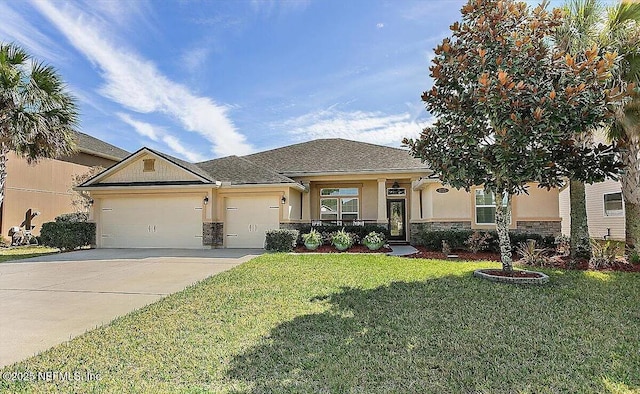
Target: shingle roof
91	144
335	155
240	171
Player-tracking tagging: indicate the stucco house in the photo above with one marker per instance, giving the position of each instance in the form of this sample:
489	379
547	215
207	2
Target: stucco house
45	187
151	199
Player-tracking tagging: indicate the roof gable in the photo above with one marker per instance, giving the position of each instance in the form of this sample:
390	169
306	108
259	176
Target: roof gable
336	155
166	170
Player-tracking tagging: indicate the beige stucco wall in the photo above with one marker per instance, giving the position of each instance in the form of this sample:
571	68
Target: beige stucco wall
459	205
44	187
451	206
539	204
164	171
294	204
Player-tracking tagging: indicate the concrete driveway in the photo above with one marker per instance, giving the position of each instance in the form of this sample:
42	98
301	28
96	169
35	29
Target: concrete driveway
47	300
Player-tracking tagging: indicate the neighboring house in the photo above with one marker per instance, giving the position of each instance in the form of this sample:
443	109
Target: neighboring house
151	199
605	207
605	210
45	187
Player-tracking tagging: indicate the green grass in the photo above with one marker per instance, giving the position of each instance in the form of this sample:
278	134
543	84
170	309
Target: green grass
24	252
364	324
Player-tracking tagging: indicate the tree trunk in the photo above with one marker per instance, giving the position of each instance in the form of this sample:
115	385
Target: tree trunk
3	171
580	245
503	219
630	182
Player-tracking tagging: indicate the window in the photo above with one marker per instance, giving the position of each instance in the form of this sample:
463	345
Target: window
346	191
613	204
486	206
338	208
149	165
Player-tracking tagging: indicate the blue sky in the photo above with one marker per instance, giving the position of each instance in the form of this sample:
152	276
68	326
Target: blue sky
205	79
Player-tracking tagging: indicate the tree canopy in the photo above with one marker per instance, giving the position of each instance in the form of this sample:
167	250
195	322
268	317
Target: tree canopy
509	103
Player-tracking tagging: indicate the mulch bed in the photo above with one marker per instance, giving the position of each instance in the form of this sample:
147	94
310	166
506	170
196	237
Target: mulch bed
423	253
561	262
513	274
331	249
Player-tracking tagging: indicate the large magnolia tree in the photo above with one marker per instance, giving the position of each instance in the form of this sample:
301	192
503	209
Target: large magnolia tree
38	118
509	103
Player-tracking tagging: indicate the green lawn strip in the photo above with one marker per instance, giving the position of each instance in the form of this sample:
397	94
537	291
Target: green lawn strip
368	323
24	252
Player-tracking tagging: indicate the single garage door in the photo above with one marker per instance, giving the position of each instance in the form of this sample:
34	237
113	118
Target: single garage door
248	218
151	222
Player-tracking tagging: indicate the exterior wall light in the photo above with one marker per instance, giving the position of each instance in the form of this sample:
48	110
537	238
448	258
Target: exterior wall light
206	200
283	200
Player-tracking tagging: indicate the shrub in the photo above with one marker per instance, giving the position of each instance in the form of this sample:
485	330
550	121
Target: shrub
73	217
312	237
342	240
603	255
633	256
563	245
281	240
374	240
432	240
478	241
532	255
68	235
358	232
446	249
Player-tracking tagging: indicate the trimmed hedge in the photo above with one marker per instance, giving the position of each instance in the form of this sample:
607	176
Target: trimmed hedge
359	232
281	240
68	235
432	240
73	217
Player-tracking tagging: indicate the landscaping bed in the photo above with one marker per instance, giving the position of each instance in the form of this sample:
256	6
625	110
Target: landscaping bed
332	249
423	253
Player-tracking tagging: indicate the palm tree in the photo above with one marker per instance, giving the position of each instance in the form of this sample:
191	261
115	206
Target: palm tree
615	28
578	33
622	32
38	118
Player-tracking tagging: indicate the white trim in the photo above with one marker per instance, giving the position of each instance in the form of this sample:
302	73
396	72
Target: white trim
225	185
150	187
126	161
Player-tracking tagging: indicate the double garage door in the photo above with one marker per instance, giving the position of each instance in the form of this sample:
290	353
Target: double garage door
176	222
151	222
248	218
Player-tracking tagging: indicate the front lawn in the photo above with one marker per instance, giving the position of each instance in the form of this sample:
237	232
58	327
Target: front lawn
24	252
362	324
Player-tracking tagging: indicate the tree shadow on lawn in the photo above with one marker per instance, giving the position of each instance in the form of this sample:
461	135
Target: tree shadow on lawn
452	334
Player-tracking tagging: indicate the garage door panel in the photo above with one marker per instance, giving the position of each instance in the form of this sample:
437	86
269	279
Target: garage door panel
248	218
152	222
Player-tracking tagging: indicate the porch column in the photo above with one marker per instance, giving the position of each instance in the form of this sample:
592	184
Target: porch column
306	203
382	201
415	201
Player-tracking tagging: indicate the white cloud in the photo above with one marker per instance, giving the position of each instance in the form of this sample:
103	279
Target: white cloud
194	59
136	83
269	6
15	28
159	134
373	127
144	129
181	150
380	25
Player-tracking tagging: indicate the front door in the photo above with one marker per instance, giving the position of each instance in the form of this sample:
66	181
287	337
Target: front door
396	215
